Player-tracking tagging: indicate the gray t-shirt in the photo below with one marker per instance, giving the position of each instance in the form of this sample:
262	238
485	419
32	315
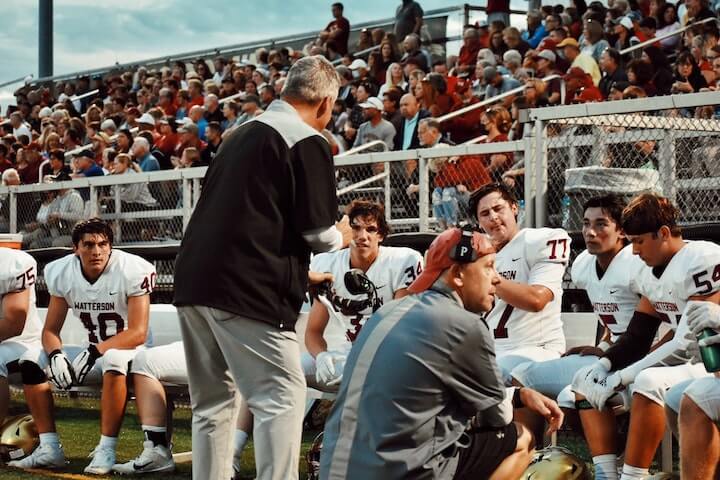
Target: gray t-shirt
405	16
421	367
384	131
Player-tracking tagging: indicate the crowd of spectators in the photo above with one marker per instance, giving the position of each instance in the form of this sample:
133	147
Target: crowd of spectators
392	84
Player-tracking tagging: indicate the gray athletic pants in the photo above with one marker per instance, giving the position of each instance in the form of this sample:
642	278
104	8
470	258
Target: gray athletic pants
224	350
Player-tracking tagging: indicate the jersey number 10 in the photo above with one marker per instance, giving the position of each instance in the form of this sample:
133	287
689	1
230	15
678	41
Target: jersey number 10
102	325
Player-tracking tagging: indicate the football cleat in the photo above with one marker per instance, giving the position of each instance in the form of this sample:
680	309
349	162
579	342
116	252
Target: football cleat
44	456
153	459
556	463
103	460
18	438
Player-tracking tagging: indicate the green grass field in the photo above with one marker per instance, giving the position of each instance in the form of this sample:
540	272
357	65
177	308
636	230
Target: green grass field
78	426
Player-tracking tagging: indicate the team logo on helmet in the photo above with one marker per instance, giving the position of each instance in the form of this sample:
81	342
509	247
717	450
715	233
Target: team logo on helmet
556	463
19	438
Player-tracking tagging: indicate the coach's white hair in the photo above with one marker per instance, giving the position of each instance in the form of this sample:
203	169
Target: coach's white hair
310	80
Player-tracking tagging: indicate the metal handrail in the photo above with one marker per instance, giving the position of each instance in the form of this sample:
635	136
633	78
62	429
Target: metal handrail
241	47
363	147
361	183
650	41
488	101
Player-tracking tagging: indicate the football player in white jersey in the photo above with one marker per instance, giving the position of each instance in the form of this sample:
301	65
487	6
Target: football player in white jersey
531	263
19	322
698	402
605	270
391	270
109	290
680	271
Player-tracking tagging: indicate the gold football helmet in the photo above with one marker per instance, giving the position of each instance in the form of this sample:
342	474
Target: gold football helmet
556	463
313	458
18	437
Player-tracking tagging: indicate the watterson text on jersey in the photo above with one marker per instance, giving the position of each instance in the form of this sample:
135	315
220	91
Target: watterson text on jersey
95	306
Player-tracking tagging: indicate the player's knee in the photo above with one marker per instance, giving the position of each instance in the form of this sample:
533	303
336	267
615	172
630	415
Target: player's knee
521	376
31	373
648	387
525	439
115	361
143	365
690	412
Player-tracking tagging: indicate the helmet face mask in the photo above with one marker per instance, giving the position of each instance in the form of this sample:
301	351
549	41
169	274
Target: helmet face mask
313	458
18	438
556	463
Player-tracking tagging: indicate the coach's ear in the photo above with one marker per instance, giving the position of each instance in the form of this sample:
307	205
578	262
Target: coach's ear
455	276
325	105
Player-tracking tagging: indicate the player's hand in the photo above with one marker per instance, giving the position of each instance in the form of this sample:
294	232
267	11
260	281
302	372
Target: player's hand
344	227
328	368
693	349
316	278
61	372
584	351
543	406
84	362
605	389
702	315
596	372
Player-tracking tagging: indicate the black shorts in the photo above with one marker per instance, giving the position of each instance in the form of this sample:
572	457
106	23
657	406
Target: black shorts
487	450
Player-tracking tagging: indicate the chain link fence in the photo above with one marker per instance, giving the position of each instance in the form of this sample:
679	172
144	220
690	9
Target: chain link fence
609	149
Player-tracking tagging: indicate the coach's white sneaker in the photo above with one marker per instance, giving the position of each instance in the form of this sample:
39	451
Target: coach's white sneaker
103	459
45	456
153	459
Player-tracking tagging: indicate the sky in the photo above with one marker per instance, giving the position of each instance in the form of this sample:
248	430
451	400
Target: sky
98	33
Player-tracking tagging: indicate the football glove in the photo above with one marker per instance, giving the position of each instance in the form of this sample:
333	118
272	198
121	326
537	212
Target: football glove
702	315
599	394
61	372
84	362
328	367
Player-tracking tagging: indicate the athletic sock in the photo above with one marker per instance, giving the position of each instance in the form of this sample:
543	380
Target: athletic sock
108	442
241	439
156	435
605	467
49	438
633	473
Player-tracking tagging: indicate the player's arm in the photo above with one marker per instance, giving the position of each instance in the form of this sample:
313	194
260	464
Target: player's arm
531	298
54	321
136	333
635	343
317	321
15	307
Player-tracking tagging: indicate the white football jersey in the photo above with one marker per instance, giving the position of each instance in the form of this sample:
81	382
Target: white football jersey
535	256
693	271
102	306
615	295
394	268
18	271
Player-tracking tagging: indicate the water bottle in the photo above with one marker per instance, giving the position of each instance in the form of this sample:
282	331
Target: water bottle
710	355
521	213
566	212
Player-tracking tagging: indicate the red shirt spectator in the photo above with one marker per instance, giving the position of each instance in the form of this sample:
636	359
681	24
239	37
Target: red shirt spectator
468	52
467	170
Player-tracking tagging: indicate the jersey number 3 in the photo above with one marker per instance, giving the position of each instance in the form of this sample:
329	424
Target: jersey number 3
102	325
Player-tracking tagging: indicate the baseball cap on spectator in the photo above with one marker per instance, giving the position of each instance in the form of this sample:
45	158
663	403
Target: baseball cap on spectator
625	22
514	56
188	127
489	73
634	16
547	55
102	136
358	63
133	111
44	112
569	41
86	153
438	256
147	119
482	24
547	43
373	102
108	124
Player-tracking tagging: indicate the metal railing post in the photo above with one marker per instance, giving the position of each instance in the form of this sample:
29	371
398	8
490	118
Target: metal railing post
118	208
540	176
387	192
424	193
530	159
186	202
13	212
667	168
